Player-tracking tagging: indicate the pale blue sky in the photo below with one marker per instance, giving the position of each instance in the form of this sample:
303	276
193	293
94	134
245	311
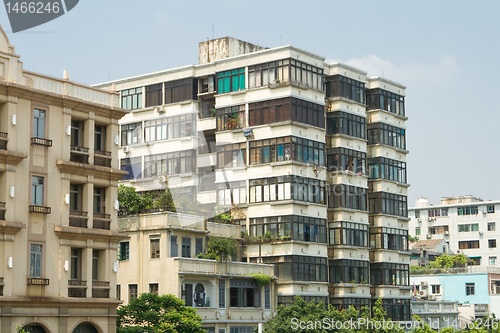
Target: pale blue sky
445	52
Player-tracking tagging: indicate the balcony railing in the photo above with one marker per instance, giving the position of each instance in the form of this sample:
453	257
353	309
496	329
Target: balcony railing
102	158
41	142
79	154
40	209
3	140
100	289
102	221
77	288
38	282
78	219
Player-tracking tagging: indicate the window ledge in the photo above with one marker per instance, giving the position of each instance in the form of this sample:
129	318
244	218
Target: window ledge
346	137
186	138
388	112
288	202
339	98
238	92
348	173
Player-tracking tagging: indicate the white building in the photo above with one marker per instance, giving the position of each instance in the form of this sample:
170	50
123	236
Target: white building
467	224
290	141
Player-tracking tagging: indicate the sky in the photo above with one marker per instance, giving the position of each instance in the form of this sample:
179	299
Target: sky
445	52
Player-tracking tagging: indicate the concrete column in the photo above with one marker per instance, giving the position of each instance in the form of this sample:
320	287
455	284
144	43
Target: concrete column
88	138
87	269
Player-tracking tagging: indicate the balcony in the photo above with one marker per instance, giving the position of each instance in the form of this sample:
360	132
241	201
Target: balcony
188	266
41	142
3	140
79	154
102	221
78	219
39	209
38	282
102	158
77	288
100	289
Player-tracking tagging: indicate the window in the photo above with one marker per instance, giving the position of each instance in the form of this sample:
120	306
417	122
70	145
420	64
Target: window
231	193
385	168
491	226
118	292
469	210
304	74
347	196
434	212
99	199
222	293
267	296
186	247
417	214
76	264
417	231
154	94
468	227
39	123
286	109
389	238
397	309
198	246
74	197
388	203
231	156
385	100
132	98
134	167
231	118
95	265
492	243
154	245
342	303
285	149
347	271
342	159
178	162
468	245
436	288
379	133
174	248
35	261
123	251
441	229
76	133
348	233
37	191
170	128
294	227
232	80
240	329
244	293
492	261
339	122
131	133
270	73
181	90
287	188
132	292
389	274
470	289
444	211
491	208
100	138
341	86
299	268
153	288
286	301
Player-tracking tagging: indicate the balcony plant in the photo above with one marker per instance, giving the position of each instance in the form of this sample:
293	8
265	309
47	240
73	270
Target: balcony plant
262	279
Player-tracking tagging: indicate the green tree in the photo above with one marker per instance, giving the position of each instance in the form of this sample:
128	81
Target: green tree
219	248
160	314
165	201
447	261
19	329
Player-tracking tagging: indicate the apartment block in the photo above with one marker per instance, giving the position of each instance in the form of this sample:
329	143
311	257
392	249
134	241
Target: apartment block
466	223
59	174
311	155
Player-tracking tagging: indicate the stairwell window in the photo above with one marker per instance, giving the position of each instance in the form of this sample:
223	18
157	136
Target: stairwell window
37	190
155	248
35	261
470	289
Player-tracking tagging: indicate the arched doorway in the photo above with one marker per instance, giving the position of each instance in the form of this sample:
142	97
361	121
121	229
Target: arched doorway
34	328
199	295
85	328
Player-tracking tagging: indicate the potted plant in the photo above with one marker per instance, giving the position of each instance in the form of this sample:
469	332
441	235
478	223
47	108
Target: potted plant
213	111
394	280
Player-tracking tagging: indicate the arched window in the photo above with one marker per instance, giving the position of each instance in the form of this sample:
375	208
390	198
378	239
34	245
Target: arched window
34	328
85	328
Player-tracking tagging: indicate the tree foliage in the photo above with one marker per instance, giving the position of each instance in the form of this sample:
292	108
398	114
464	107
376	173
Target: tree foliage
448	261
160	314
219	248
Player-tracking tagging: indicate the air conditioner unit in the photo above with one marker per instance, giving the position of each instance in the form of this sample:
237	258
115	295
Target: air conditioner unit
446	233
480	232
160	109
432	298
163	179
423	283
423	293
429	236
429	219
419	220
484	211
126	149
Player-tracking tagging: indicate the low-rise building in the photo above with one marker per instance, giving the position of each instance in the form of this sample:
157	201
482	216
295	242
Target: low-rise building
438	314
160	256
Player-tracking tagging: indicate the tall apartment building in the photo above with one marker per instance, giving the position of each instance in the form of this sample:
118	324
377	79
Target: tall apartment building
246	129
58	186
466	223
